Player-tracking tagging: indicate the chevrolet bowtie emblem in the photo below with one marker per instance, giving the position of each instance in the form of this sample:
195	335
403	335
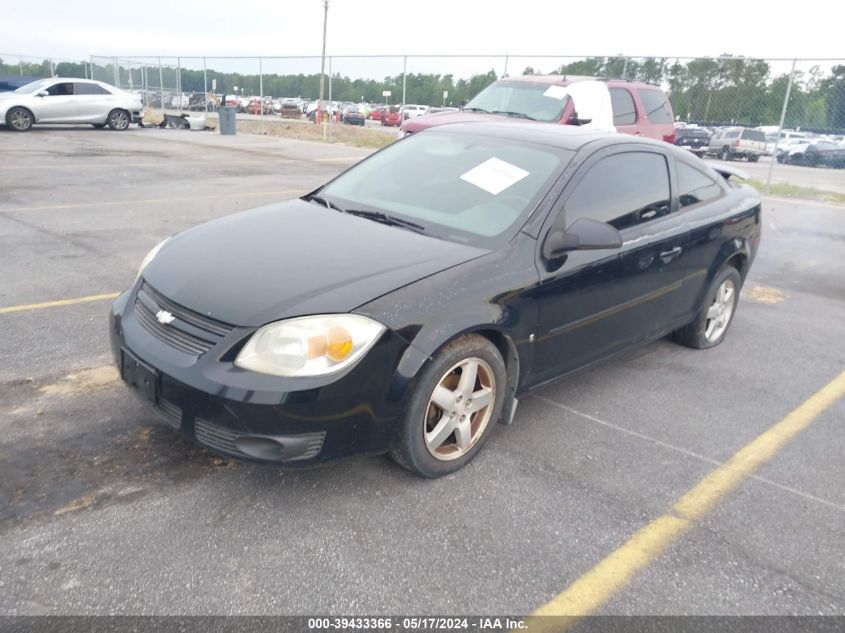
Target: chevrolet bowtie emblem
164	317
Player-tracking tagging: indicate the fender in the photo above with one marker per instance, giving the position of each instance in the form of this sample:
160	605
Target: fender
509	319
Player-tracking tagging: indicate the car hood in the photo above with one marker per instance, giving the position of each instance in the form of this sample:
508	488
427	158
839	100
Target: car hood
417	124
293	258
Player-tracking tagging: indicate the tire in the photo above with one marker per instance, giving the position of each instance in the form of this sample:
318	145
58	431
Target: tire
465	423
118	119
716	315
20	119
753	158
725	154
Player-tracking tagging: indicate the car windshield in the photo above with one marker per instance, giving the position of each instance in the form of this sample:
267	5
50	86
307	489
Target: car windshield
542	102
34	86
457	186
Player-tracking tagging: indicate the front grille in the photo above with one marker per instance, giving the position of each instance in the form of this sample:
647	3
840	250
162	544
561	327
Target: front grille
189	332
222	439
217	437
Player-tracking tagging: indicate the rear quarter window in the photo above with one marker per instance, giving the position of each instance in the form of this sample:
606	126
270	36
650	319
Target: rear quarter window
656	105
624	110
695	186
753	135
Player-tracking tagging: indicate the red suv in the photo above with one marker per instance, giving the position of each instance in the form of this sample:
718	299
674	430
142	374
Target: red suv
639	109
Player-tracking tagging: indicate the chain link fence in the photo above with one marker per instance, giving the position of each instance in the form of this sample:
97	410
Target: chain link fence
794	103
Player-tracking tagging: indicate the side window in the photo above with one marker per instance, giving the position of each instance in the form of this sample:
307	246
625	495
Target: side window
624	111
656	105
60	90
623	190
89	89
695	186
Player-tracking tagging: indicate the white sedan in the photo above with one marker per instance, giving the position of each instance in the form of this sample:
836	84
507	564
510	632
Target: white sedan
59	100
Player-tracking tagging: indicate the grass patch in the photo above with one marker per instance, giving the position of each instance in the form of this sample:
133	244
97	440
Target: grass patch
785	190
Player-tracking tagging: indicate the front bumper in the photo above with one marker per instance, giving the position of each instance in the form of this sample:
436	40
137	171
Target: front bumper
255	417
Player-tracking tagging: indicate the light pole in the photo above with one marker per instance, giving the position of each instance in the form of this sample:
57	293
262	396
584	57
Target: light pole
323	66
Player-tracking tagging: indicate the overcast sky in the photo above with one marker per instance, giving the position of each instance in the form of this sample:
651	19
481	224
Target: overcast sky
77	28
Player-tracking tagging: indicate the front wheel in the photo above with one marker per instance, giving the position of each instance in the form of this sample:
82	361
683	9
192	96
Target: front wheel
118	120
20	119
712	322
457	400
753	158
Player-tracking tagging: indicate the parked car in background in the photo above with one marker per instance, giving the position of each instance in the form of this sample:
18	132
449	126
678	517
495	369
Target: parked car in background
814	154
629	107
375	113
290	109
352	115
737	142
234	102
412	111
694	139
784	141
199	101
68	100
447	290
8	83
391	116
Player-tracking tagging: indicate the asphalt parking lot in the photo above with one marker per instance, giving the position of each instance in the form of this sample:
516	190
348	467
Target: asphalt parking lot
105	511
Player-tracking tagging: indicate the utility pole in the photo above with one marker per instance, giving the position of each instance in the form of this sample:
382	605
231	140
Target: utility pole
323	68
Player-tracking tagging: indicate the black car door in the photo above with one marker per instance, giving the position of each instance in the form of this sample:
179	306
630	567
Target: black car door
596	303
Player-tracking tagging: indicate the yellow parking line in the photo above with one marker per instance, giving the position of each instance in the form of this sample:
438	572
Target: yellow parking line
599	584
117	203
60	302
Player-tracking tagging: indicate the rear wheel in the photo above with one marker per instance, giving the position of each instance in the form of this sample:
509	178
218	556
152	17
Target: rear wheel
714	319
725	154
457	400
753	158
20	119
118	119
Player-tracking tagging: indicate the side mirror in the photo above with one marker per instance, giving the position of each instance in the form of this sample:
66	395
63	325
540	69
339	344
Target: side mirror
42	93
584	235
574	120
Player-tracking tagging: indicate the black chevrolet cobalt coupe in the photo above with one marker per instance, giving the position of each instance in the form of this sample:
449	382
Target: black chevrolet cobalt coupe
403	307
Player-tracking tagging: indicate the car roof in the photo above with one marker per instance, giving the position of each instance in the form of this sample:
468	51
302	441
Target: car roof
76	80
564	80
569	137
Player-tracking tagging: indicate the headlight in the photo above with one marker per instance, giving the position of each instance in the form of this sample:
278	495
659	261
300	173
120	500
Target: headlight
309	346
150	257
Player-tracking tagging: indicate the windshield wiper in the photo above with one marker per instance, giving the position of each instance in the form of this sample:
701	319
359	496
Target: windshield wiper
321	200
384	218
477	110
521	115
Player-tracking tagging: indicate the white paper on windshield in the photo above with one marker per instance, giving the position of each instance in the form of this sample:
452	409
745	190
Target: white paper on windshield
494	175
556	92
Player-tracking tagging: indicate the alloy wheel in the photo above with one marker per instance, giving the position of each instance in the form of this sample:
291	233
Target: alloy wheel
20	120
119	120
459	409
720	311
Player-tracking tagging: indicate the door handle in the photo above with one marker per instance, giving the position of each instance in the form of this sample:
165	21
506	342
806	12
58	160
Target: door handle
668	256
